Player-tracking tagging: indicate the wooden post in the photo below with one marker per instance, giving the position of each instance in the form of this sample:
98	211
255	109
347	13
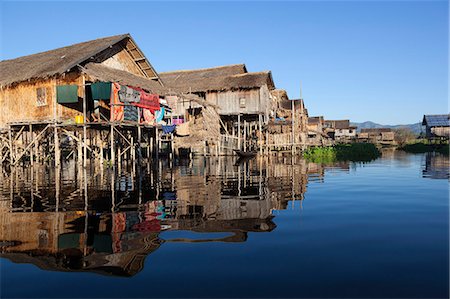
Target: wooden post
113	153
84	125
260	135
57	148
293	124
245	136
157	142
139	143
11	154
133	154
80	151
31	149
239	131
101	148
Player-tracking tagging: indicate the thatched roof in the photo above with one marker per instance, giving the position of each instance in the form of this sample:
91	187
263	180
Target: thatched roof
220	78
100	72
436	120
50	63
376	130
315	120
338	124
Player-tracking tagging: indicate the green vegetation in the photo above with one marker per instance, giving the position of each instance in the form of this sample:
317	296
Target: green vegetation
357	152
423	147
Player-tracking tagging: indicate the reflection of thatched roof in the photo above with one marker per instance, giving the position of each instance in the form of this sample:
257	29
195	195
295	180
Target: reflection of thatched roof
104	73
58	61
221	78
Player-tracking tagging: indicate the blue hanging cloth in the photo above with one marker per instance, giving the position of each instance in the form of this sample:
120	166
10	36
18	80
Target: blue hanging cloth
159	115
168	129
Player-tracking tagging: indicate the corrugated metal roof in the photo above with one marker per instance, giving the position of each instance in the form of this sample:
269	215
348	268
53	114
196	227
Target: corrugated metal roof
437	120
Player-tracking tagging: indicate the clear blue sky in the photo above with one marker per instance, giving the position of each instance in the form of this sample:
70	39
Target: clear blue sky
382	61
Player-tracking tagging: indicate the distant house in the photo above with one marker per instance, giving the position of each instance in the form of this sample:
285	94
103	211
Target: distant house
377	135
340	129
437	126
317	131
280	125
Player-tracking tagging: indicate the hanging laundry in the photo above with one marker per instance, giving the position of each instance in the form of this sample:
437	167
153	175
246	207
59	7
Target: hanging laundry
130	113
160	115
149	101
177	121
116	105
168	129
101	90
129	95
66	94
149	117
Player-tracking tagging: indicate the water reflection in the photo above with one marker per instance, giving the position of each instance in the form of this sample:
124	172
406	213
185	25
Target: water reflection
437	166
108	221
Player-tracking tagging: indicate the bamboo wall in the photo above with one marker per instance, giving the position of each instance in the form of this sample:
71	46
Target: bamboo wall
19	102
256	101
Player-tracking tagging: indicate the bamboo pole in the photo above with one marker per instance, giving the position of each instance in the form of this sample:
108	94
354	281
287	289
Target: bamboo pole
239	131
11	155
84	125
260	134
113	156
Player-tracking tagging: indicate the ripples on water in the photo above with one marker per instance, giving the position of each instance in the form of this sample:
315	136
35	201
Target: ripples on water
109	222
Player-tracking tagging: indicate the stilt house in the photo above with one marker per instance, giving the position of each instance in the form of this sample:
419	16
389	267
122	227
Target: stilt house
437	126
29	85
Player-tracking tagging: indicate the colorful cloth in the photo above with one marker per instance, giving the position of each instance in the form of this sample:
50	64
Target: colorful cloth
159	114
116	106
177	121
129	95
101	90
148	101
149	118
168	129
67	94
130	113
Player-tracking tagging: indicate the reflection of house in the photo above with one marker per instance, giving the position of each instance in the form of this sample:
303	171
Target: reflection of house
437	166
377	135
340	130
110	244
437	126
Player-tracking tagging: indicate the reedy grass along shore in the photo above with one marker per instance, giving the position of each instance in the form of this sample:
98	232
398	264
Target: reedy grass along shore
422	147
356	152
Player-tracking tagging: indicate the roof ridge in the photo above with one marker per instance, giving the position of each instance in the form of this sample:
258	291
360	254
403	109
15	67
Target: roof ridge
252	73
119	37
205	69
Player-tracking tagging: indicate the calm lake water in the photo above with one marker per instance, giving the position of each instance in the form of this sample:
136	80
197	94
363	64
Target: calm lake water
215	228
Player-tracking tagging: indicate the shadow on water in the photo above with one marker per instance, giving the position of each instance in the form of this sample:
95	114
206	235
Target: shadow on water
108	221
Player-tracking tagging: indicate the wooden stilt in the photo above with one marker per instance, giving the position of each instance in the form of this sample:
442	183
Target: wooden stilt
11	152
260	135
239	131
57	147
113	154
